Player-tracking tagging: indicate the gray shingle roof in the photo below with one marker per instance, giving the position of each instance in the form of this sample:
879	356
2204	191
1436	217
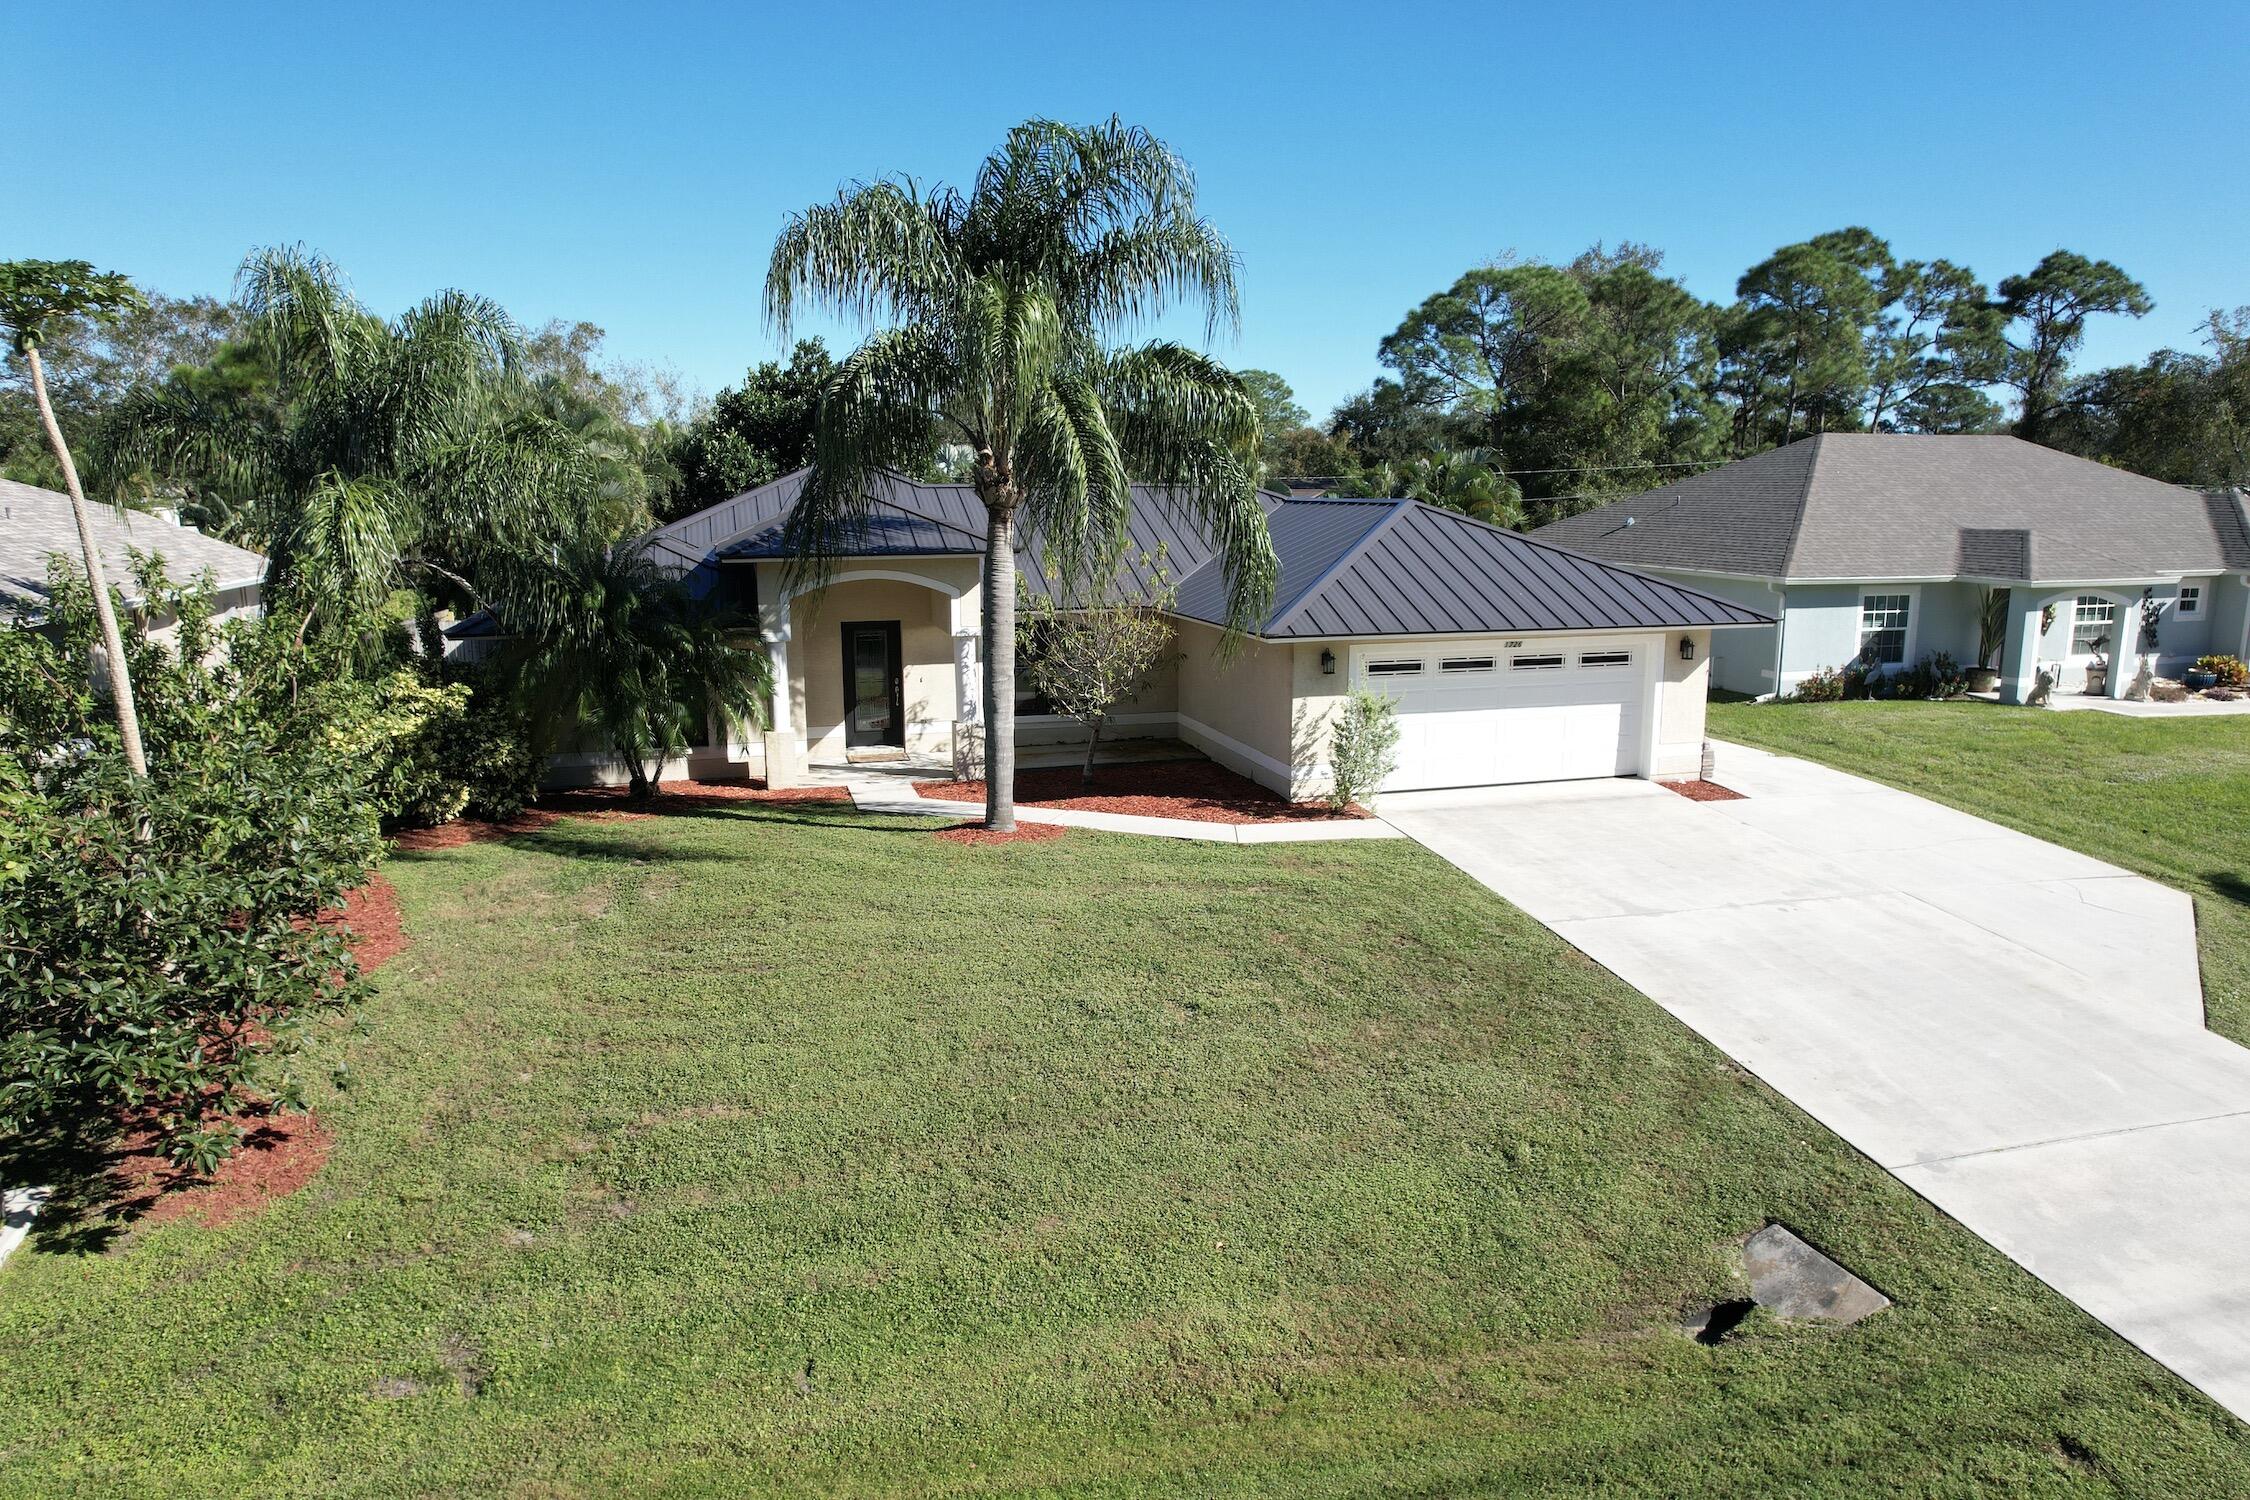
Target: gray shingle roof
36	523
1348	567
1894	505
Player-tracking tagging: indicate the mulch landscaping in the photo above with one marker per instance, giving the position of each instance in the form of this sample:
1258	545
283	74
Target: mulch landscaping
1703	791
978	834
607	805
1199	791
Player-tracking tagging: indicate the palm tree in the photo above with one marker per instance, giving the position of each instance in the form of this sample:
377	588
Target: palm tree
994	308
605	640
391	454
1462	480
35	295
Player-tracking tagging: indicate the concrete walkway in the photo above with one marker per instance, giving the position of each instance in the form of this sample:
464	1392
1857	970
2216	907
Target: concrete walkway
2013	1029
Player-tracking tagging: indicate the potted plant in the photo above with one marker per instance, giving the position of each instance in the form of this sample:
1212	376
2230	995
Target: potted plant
1992	637
2218	670
2097	673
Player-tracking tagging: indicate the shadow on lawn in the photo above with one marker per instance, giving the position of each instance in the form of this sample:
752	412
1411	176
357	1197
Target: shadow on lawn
87	1208
2231	886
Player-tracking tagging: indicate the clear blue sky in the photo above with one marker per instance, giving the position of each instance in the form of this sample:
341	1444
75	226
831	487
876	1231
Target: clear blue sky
629	165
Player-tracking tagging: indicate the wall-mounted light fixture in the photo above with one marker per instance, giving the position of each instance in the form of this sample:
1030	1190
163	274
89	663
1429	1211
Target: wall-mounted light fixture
1327	663
1687	648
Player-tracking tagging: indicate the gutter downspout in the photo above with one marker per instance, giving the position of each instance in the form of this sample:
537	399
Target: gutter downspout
1780	634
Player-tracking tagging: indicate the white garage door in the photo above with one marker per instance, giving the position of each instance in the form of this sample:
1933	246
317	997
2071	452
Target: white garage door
1476	713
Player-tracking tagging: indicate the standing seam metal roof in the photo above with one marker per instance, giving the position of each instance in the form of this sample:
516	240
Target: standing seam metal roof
1347	567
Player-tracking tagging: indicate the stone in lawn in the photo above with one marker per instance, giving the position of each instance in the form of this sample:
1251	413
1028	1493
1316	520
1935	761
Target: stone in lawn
1797	1282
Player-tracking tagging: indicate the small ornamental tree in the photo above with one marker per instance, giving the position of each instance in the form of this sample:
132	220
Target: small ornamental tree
1362	748
1086	657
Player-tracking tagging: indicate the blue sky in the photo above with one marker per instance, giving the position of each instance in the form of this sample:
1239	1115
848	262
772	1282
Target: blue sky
630	165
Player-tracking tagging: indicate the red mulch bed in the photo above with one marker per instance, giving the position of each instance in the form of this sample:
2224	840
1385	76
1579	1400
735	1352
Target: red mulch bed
978	834
1197	790
371	912
1703	791
280	1154
608	804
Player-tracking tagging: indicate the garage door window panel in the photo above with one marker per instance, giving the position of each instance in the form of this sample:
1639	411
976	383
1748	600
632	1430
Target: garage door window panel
1536	663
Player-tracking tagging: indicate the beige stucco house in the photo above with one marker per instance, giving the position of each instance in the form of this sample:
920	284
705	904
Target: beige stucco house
1510	660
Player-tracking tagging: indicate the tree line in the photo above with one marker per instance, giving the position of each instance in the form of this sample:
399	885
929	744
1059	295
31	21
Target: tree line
1525	390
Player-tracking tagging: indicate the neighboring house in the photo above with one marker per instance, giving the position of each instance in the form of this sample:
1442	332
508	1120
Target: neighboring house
1887	544
1511	659
36	524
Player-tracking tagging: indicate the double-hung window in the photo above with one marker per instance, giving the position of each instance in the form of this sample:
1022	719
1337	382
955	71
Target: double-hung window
2093	625
1882	627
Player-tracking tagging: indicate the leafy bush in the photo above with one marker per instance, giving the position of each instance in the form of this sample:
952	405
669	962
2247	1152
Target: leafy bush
490	753
1827	685
2228	669
399	729
1363	748
1936	675
161	951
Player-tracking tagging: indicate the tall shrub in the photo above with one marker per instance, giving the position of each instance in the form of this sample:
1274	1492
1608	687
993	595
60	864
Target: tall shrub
161	952
1362	748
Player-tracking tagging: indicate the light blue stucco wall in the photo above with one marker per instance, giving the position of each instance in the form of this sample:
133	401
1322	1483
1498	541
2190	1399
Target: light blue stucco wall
2230	617
1820	627
1742	657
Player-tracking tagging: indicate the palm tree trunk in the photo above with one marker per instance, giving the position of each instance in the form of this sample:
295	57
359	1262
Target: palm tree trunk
113	644
999	670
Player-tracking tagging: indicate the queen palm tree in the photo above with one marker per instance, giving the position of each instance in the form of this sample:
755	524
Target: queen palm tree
390	454
992	311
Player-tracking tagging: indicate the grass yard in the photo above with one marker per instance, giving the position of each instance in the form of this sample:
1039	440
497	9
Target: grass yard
2168	798
782	1150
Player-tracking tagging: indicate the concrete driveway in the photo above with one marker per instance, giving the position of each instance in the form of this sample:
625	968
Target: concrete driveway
2013	1029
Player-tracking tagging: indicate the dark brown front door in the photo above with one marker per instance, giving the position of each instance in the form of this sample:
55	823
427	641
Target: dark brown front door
874	685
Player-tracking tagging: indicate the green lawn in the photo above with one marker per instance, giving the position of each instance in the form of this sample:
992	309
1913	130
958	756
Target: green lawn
785	1150
2169	798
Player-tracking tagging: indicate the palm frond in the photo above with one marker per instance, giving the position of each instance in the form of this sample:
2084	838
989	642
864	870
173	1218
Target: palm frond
875	415
343	542
1186	424
881	249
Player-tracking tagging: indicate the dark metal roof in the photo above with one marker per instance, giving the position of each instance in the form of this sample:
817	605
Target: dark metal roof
1347	567
1400	567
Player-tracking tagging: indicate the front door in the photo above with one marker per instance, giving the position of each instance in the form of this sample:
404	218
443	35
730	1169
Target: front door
874	686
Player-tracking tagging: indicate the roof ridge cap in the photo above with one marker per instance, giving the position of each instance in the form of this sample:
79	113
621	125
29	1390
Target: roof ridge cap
1303	596
1804	504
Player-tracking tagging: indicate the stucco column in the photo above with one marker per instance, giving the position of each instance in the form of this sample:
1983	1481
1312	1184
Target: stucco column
777	652
2019	654
968	707
2125	649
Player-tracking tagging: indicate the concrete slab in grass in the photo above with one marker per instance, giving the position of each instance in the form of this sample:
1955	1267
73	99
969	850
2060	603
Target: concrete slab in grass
1794	1281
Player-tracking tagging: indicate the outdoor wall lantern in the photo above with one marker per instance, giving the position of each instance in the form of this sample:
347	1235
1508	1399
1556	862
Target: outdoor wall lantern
1327	662
1687	648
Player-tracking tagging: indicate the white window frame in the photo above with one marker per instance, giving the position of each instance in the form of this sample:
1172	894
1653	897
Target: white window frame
1459	664
1537	661
2190	605
1908	629
1393	667
1599	659
2078	618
